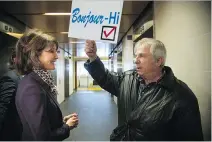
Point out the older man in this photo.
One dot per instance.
(152, 103)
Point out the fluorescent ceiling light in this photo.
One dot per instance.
(17, 35)
(64, 32)
(82, 42)
(76, 42)
(57, 14)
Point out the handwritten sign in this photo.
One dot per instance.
(95, 19)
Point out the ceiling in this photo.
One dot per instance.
(30, 13)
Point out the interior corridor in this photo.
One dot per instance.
(97, 114)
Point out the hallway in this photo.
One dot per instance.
(97, 112)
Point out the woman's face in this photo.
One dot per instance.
(48, 57)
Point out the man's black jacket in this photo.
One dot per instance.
(10, 125)
(166, 110)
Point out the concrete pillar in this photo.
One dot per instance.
(60, 75)
(127, 52)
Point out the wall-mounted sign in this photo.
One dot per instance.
(5, 27)
(143, 29)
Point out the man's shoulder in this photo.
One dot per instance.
(10, 76)
(184, 93)
(182, 87)
(8, 84)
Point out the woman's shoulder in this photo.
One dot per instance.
(29, 90)
(29, 79)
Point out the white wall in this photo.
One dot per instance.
(74, 73)
(71, 76)
(60, 76)
(127, 52)
(115, 70)
(185, 29)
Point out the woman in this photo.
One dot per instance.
(36, 101)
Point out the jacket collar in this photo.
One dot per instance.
(167, 80)
(40, 80)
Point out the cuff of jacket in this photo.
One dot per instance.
(89, 64)
(66, 127)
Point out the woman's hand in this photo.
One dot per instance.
(72, 120)
(69, 116)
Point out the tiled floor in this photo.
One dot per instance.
(97, 115)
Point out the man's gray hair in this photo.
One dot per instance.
(157, 48)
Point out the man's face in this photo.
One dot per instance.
(145, 62)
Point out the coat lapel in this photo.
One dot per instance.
(46, 88)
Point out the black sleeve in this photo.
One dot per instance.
(110, 81)
(60, 133)
(7, 92)
(187, 124)
(33, 108)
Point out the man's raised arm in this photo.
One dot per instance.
(107, 80)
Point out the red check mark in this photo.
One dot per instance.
(107, 34)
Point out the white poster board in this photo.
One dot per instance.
(95, 20)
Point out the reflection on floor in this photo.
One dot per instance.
(97, 114)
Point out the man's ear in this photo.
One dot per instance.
(159, 61)
(15, 60)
